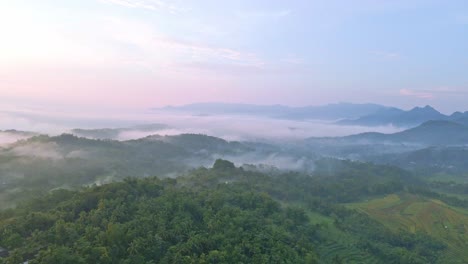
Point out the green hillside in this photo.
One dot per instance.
(419, 214)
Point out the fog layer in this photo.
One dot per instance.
(229, 127)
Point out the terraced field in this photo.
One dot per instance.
(419, 214)
(339, 246)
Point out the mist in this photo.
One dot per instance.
(7, 138)
(228, 127)
(255, 128)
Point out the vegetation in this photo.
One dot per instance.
(220, 215)
(72, 200)
(417, 214)
(33, 167)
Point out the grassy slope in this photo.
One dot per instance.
(418, 214)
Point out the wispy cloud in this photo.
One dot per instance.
(160, 49)
(147, 4)
(206, 52)
(417, 94)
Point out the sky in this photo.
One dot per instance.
(151, 53)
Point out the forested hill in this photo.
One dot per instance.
(219, 215)
(36, 165)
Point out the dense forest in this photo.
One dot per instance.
(226, 214)
(34, 166)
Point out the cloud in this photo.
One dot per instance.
(253, 128)
(250, 128)
(283, 161)
(38, 150)
(417, 94)
(204, 52)
(146, 4)
(434, 92)
(158, 51)
(7, 138)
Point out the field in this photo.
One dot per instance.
(418, 214)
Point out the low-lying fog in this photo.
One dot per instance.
(8, 137)
(240, 128)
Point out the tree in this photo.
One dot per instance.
(221, 164)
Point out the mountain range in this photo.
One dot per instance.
(401, 118)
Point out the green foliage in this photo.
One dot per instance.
(153, 221)
(220, 215)
(223, 165)
(30, 168)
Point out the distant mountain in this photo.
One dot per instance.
(325, 112)
(420, 115)
(381, 117)
(438, 132)
(333, 111)
(461, 118)
(457, 115)
(397, 117)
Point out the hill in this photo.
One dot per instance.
(418, 214)
(461, 118)
(431, 159)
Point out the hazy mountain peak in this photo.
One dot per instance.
(425, 109)
(456, 114)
